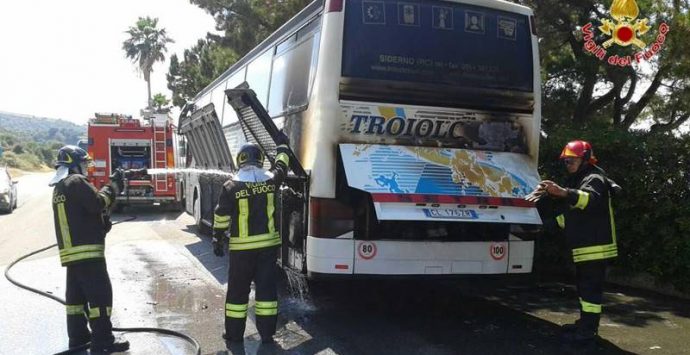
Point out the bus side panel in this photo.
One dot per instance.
(536, 126)
(318, 146)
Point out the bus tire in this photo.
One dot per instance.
(200, 225)
(182, 203)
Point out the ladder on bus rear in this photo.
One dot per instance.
(160, 160)
(258, 127)
(293, 201)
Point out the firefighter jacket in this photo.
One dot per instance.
(79, 226)
(586, 215)
(247, 205)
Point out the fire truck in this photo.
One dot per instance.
(147, 149)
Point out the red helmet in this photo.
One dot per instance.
(579, 149)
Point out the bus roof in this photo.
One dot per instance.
(499, 5)
(317, 6)
(306, 13)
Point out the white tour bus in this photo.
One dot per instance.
(417, 124)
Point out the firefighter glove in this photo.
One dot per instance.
(107, 224)
(116, 180)
(219, 243)
(117, 175)
(111, 191)
(282, 139)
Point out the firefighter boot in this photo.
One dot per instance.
(585, 333)
(116, 347)
(570, 328)
(79, 344)
(231, 342)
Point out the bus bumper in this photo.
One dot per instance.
(358, 257)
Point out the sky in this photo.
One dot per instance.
(64, 59)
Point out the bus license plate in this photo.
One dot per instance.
(450, 213)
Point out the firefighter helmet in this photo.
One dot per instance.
(579, 149)
(250, 155)
(72, 157)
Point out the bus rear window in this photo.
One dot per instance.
(436, 42)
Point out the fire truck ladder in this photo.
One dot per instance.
(160, 181)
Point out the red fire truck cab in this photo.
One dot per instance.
(118, 141)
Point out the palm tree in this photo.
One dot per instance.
(161, 102)
(146, 46)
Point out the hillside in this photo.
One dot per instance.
(42, 129)
(30, 142)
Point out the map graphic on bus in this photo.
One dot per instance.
(460, 172)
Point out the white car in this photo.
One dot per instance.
(8, 191)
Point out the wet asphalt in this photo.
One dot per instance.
(165, 275)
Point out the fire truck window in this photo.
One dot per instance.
(259, 75)
(130, 157)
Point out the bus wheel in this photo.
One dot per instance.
(200, 225)
(182, 204)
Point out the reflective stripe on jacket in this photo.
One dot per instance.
(247, 208)
(77, 215)
(587, 216)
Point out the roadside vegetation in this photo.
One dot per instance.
(31, 143)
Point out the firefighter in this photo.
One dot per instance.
(80, 228)
(246, 208)
(582, 207)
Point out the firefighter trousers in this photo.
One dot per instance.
(590, 288)
(260, 266)
(89, 298)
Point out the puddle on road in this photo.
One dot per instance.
(175, 346)
(168, 292)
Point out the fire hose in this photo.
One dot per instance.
(83, 347)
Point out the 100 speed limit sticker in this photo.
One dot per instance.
(498, 250)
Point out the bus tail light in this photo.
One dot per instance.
(334, 6)
(329, 218)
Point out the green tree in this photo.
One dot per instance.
(245, 23)
(146, 46)
(580, 89)
(48, 155)
(161, 103)
(199, 66)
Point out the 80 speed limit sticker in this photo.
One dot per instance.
(498, 250)
(366, 250)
